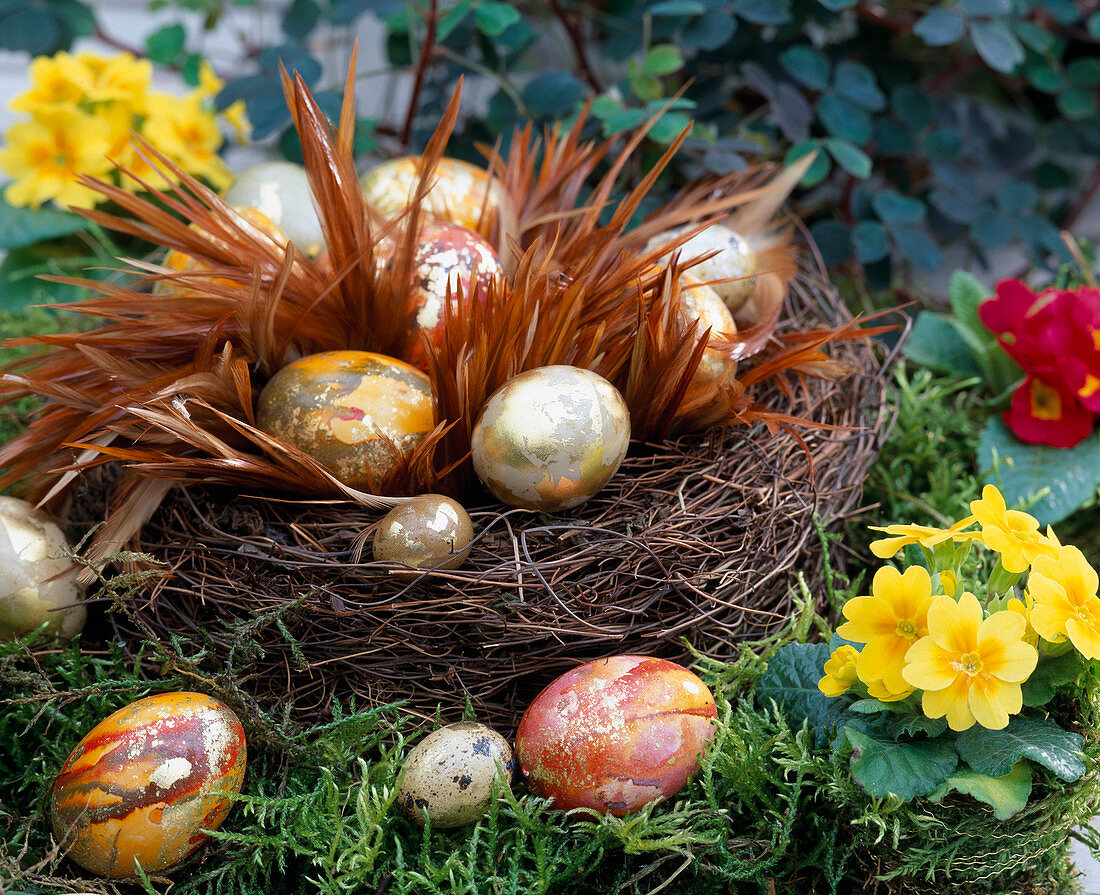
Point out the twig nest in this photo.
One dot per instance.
(431, 531)
(36, 584)
(354, 411)
(731, 272)
(281, 191)
(449, 258)
(461, 193)
(550, 438)
(450, 774)
(616, 734)
(145, 782)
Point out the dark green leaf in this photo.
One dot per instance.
(1078, 103)
(918, 247)
(663, 59)
(1043, 77)
(763, 12)
(910, 725)
(953, 206)
(1050, 674)
(806, 65)
(940, 27)
(556, 92)
(19, 284)
(849, 156)
(1085, 72)
(791, 681)
(868, 706)
(1068, 476)
(493, 19)
(624, 119)
(28, 30)
(883, 766)
(1006, 795)
(453, 18)
(857, 83)
(997, 45)
(983, 8)
(165, 44)
(77, 18)
(912, 106)
(792, 112)
(1094, 25)
(1017, 197)
(669, 126)
(24, 226)
(994, 752)
(819, 169)
(869, 241)
(301, 18)
(837, 5)
(710, 31)
(1035, 37)
(678, 8)
(894, 208)
(937, 343)
(990, 229)
(842, 118)
(833, 241)
(966, 295)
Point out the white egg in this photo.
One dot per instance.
(280, 190)
(734, 267)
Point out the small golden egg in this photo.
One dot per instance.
(699, 301)
(550, 438)
(36, 584)
(429, 532)
(282, 192)
(733, 269)
(459, 194)
(337, 405)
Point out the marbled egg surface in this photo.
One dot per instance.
(450, 774)
(461, 193)
(141, 784)
(430, 531)
(731, 272)
(333, 405)
(615, 734)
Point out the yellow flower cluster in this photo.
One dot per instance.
(84, 110)
(921, 630)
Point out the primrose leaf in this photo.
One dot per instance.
(884, 766)
(25, 226)
(791, 681)
(1007, 795)
(994, 752)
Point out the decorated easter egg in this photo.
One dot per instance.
(281, 191)
(144, 783)
(265, 228)
(448, 257)
(461, 193)
(550, 438)
(428, 532)
(337, 406)
(450, 774)
(698, 301)
(37, 584)
(730, 272)
(616, 734)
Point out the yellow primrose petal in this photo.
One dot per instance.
(882, 659)
(928, 666)
(990, 508)
(1084, 630)
(885, 548)
(840, 671)
(908, 594)
(878, 690)
(868, 617)
(992, 701)
(210, 84)
(1024, 610)
(950, 701)
(237, 116)
(948, 626)
(55, 81)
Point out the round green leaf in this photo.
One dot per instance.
(493, 19)
(997, 45)
(849, 156)
(819, 168)
(870, 241)
(940, 27)
(555, 93)
(894, 208)
(842, 118)
(808, 66)
(857, 83)
(663, 59)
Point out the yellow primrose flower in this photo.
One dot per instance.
(46, 155)
(1013, 534)
(925, 535)
(1062, 589)
(889, 621)
(949, 581)
(189, 135)
(237, 116)
(1021, 608)
(878, 690)
(120, 79)
(840, 671)
(210, 84)
(56, 80)
(971, 668)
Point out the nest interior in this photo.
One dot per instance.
(695, 543)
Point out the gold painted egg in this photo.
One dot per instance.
(734, 266)
(461, 193)
(550, 438)
(333, 405)
(429, 532)
(281, 191)
(33, 550)
(450, 773)
(141, 784)
(698, 301)
(447, 256)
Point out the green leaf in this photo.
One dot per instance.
(894, 208)
(301, 18)
(806, 65)
(791, 681)
(994, 752)
(24, 226)
(857, 83)
(1068, 476)
(556, 93)
(869, 241)
(668, 127)
(165, 44)
(918, 247)
(453, 18)
(940, 27)
(1007, 795)
(623, 120)
(493, 19)
(1051, 673)
(678, 8)
(763, 12)
(868, 707)
(966, 293)
(1078, 103)
(849, 156)
(19, 284)
(997, 45)
(911, 724)
(884, 767)
(842, 118)
(937, 343)
(819, 168)
(663, 59)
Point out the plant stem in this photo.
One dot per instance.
(572, 28)
(426, 53)
(1083, 200)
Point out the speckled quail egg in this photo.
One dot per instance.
(450, 773)
(733, 269)
(35, 579)
(430, 531)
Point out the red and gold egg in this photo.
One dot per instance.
(354, 411)
(461, 193)
(141, 785)
(616, 734)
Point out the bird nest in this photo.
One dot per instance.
(696, 543)
(149, 433)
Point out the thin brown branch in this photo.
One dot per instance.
(426, 52)
(572, 27)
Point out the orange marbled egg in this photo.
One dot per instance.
(145, 782)
(461, 193)
(340, 407)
